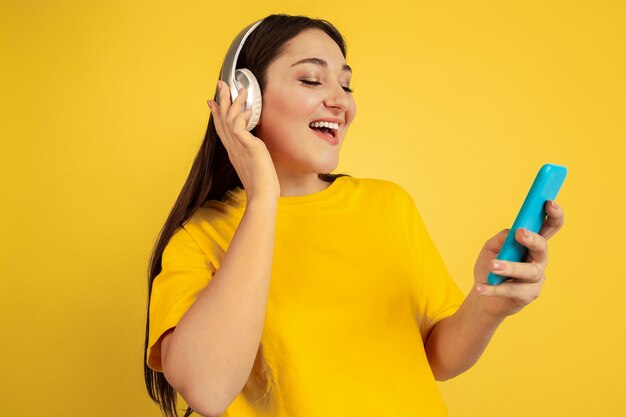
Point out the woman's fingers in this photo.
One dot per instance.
(224, 95)
(523, 293)
(527, 277)
(521, 271)
(241, 123)
(554, 221)
(494, 244)
(237, 106)
(248, 154)
(218, 122)
(230, 110)
(537, 245)
(528, 272)
(229, 119)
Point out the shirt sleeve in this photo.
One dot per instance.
(185, 271)
(434, 293)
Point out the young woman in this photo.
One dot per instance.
(279, 289)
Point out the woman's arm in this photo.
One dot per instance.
(456, 342)
(209, 355)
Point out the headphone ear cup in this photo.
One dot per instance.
(246, 79)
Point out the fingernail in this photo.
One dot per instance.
(553, 204)
(498, 266)
(480, 289)
(525, 233)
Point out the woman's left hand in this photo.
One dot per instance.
(527, 278)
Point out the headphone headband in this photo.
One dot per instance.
(230, 61)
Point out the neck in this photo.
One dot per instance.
(292, 185)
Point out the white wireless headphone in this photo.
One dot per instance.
(242, 77)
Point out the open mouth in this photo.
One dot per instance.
(329, 129)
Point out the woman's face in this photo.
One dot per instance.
(309, 82)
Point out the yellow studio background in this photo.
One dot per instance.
(104, 107)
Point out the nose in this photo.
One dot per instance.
(337, 98)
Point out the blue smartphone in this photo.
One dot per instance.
(532, 214)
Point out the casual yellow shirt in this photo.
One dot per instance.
(356, 286)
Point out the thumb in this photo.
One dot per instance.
(495, 243)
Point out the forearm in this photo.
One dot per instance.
(215, 343)
(456, 342)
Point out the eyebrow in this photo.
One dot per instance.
(320, 62)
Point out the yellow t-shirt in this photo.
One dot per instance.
(357, 284)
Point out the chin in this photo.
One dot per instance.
(327, 167)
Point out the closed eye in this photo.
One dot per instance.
(309, 82)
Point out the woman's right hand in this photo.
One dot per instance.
(246, 152)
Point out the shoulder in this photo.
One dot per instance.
(182, 251)
(216, 218)
(207, 232)
(378, 188)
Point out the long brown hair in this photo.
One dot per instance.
(212, 174)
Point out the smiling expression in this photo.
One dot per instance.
(307, 105)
